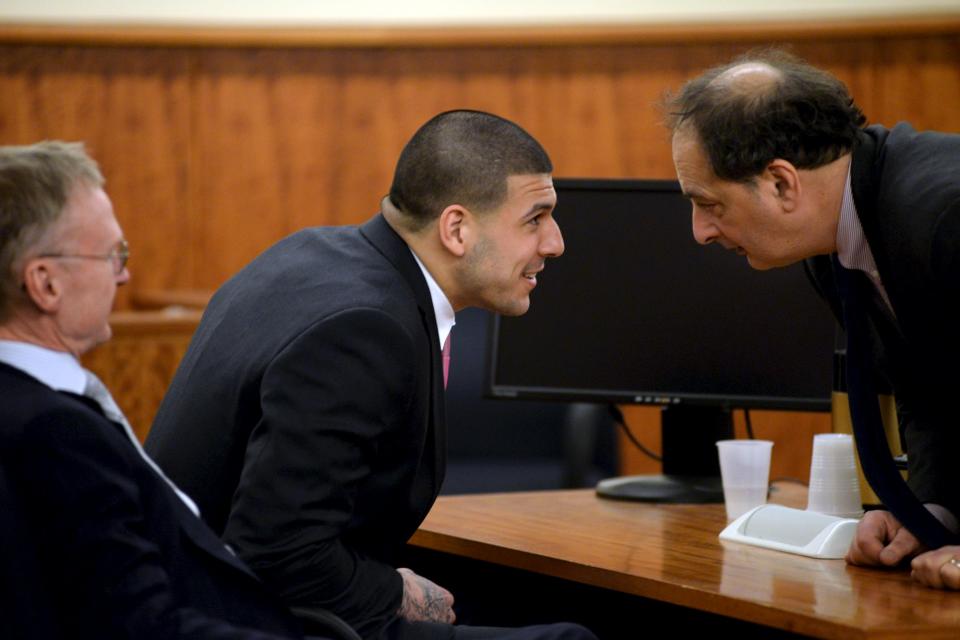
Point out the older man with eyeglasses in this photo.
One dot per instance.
(117, 550)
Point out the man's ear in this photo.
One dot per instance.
(786, 179)
(42, 285)
(455, 229)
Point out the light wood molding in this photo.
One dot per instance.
(374, 37)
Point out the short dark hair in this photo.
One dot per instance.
(803, 115)
(462, 157)
(35, 183)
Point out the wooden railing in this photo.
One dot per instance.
(138, 363)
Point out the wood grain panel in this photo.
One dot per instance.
(130, 106)
(919, 81)
(214, 154)
(791, 432)
(216, 148)
(243, 210)
(138, 364)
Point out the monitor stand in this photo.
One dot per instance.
(691, 467)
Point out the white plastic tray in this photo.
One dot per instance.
(806, 533)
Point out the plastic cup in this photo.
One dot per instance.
(834, 484)
(745, 473)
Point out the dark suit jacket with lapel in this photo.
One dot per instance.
(306, 418)
(111, 552)
(906, 187)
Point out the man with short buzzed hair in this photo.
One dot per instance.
(307, 417)
(775, 158)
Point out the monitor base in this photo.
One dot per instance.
(655, 488)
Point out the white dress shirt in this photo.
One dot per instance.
(442, 308)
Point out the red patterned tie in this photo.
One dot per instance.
(446, 360)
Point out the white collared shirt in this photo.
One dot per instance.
(853, 250)
(442, 309)
(58, 370)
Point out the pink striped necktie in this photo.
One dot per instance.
(446, 360)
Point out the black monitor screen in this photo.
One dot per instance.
(637, 312)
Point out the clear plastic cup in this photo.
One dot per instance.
(745, 472)
(834, 484)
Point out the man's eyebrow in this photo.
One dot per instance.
(539, 207)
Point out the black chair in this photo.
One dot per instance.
(325, 624)
(513, 445)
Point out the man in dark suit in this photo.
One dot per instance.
(774, 155)
(307, 417)
(106, 547)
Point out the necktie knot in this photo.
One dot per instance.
(98, 392)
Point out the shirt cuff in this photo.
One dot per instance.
(944, 515)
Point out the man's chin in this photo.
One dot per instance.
(103, 337)
(512, 308)
(765, 265)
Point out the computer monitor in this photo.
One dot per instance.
(637, 312)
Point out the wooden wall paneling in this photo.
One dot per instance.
(121, 364)
(309, 104)
(587, 136)
(145, 159)
(644, 424)
(19, 107)
(487, 80)
(138, 364)
(214, 152)
(639, 133)
(370, 136)
(130, 107)
(919, 81)
(421, 85)
(240, 190)
(854, 62)
(791, 431)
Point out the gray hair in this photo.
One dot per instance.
(35, 182)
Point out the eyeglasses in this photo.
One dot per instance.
(119, 256)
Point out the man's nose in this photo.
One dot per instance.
(704, 232)
(552, 244)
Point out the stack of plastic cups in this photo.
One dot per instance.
(834, 485)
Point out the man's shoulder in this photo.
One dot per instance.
(20, 392)
(906, 177)
(30, 407)
(321, 269)
(904, 151)
(309, 277)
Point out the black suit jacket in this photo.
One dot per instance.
(107, 549)
(306, 418)
(907, 192)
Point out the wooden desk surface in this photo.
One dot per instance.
(671, 553)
